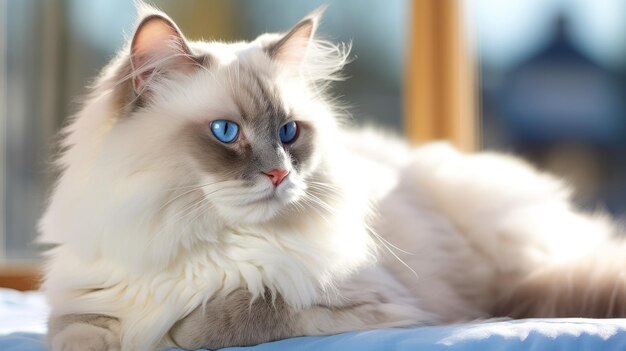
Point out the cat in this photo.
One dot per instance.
(211, 195)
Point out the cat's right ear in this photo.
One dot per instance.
(157, 46)
(290, 51)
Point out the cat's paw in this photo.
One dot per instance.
(85, 337)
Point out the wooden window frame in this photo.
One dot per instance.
(26, 275)
(439, 91)
(20, 277)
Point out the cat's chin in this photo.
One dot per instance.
(262, 208)
(257, 212)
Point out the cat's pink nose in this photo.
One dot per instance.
(277, 176)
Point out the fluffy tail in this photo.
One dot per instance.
(592, 287)
(507, 239)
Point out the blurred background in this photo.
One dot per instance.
(547, 80)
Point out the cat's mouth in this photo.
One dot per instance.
(269, 194)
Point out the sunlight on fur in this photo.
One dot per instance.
(211, 195)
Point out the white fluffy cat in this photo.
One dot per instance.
(210, 197)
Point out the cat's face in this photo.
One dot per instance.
(254, 149)
(241, 119)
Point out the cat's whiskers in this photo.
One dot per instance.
(180, 214)
(186, 209)
(314, 205)
(333, 194)
(236, 194)
(299, 206)
(184, 187)
(206, 188)
(192, 210)
(325, 190)
(324, 184)
(314, 200)
(387, 242)
(200, 209)
(320, 202)
(388, 246)
(193, 189)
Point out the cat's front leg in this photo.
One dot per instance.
(370, 299)
(234, 320)
(367, 301)
(80, 332)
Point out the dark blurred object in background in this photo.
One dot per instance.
(557, 105)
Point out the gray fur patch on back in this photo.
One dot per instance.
(234, 320)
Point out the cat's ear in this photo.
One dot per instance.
(158, 45)
(291, 49)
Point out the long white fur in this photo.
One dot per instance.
(475, 224)
(120, 253)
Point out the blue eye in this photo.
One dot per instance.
(288, 132)
(225, 131)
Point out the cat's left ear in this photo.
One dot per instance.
(158, 46)
(292, 48)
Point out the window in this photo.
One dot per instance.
(552, 88)
(51, 50)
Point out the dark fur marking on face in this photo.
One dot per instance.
(256, 97)
(271, 104)
(301, 151)
(214, 157)
(258, 148)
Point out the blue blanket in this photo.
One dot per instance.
(22, 324)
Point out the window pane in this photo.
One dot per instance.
(553, 86)
(25, 149)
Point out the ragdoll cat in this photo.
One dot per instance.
(210, 197)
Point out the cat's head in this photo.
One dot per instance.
(246, 123)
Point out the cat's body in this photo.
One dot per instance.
(169, 234)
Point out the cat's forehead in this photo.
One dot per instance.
(256, 96)
(243, 72)
(225, 54)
